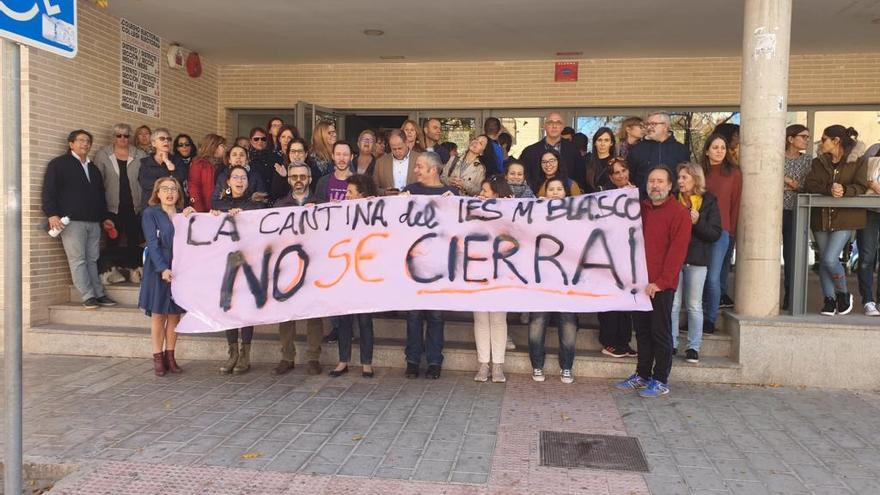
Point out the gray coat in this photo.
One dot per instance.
(106, 163)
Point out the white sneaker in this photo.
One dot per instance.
(510, 345)
(871, 309)
(566, 376)
(538, 375)
(482, 374)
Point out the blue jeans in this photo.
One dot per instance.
(712, 290)
(725, 266)
(82, 245)
(567, 331)
(868, 242)
(831, 272)
(431, 341)
(345, 329)
(690, 286)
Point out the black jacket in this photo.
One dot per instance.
(647, 154)
(67, 192)
(568, 158)
(705, 232)
(150, 172)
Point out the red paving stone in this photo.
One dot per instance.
(528, 407)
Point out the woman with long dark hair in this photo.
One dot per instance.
(549, 170)
(724, 181)
(237, 196)
(832, 174)
(597, 169)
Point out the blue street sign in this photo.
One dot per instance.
(45, 24)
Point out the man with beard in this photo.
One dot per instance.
(666, 226)
(299, 176)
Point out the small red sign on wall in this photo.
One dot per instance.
(566, 71)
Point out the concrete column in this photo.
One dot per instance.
(764, 102)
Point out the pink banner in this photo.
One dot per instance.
(580, 254)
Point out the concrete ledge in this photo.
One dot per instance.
(814, 351)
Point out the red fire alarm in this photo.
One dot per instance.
(193, 65)
(566, 71)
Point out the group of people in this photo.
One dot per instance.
(134, 186)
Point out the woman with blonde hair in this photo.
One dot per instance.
(321, 153)
(630, 132)
(415, 138)
(155, 298)
(705, 230)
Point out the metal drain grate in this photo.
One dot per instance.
(579, 450)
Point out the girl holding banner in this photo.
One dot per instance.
(155, 294)
(236, 197)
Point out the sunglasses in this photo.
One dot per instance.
(121, 136)
(163, 138)
(184, 145)
(258, 138)
(299, 176)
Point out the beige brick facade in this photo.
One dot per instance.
(61, 95)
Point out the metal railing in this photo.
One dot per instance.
(802, 210)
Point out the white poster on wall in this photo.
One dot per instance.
(139, 67)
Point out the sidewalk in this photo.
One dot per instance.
(201, 432)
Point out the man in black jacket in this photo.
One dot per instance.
(659, 147)
(73, 188)
(531, 156)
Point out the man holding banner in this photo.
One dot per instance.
(299, 176)
(430, 339)
(666, 225)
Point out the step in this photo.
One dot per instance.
(123, 341)
(456, 330)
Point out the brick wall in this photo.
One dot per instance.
(63, 95)
(814, 80)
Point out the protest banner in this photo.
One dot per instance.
(579, 254)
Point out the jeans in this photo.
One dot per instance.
(82, 245)
(490, 335)
(314, 336)
(615, 328)
(725, 266)
(566, 330)
(712, 290)
(654, 337)
(868, 241)
(690, 288)
(345, 329)
(831, 273)
(431, 341)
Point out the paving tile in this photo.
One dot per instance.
(244, 437)
(201, 445)
(475, 478)
(473, 462)
(433, 471)
(735, 469)
(358, 465)
(394, 473)
(411, 440)
(308, 442)
(288, 461)
(373, 446)
(666, 485)
(443, 451)
(402, 458)
(702, 478)
(325, 426)
(332, 454)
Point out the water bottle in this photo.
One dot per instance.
(56, 232)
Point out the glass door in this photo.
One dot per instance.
(309, 114)
(457, 126)
(245, 120)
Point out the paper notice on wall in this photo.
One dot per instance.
(139, 68)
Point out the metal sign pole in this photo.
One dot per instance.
(12, 264)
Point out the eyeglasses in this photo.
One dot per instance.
(803, 136)
(122, 136)
(549, 162)
(258, 138)
(167, 189)
(163, 138)
(652, 124)
(298, 176)
(238, 177)
(367, 141)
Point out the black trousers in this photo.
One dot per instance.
(654, 337)
(125, 250)
(615, 328)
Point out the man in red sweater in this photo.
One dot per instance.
(666, 225)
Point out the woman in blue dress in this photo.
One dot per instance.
(155, 299)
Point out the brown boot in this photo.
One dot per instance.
(244, 360)
(283, 367)
(170, 363)
(314, 368)
(231, 360)
(159, 363)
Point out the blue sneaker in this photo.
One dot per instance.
(654, 389)
(634, 382)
